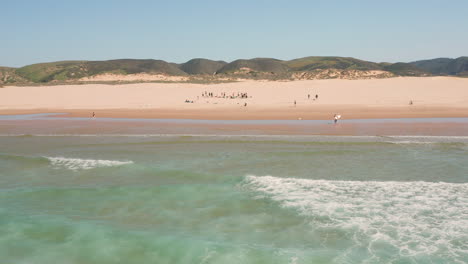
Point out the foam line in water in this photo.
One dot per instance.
(83, 164)
(318, 138)
(412, 142)
(426, 139)
(413, 218)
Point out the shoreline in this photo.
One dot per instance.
(228, 113)
(50, 124)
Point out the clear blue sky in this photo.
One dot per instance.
(176, 31)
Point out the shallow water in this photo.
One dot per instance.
(233, 199)
(60, 116)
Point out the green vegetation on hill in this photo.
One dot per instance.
(202, 66)
(405, 69)
(258, 68)
(45, 72)
(342, 63)
(130, 66)
(444, 66)
(66, 70)
(256, 65)
(458, 67)
(435, 66)
(8, 76)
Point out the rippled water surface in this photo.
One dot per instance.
(233, 199)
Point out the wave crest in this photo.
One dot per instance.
(83, 164)
(412, 217)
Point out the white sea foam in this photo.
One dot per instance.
(83, 164)
(414, 218)
(426, 139)
(412, 142)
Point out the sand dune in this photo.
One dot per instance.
(143, 77)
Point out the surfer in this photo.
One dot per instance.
(336, 117)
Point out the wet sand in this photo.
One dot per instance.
(253, 113)
(56, 125)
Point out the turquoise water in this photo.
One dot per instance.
(233, 199)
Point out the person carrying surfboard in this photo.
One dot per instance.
(336, 117)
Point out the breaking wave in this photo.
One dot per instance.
(412, 219)
(83, 164)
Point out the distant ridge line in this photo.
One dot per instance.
(256, 68)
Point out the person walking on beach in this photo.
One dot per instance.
(316, 96)
(308, 96)
(94, 115)
(336, 117)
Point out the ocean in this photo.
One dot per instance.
(233, 199)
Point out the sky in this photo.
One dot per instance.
(35, 31)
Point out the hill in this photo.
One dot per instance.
(444, 66)
(66, 70)
(131, 66)
(268, 65)
(45, 72)
(341, 63)
(458, 67)
(8, 75)
(434, 66)
(405, 69)
(202, 66)
(258, 68)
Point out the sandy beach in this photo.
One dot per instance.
(353, 99)
(374, 99)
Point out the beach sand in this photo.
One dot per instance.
(432, 97)
(373, 98)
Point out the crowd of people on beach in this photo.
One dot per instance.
(225, 95)
(238, 95)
